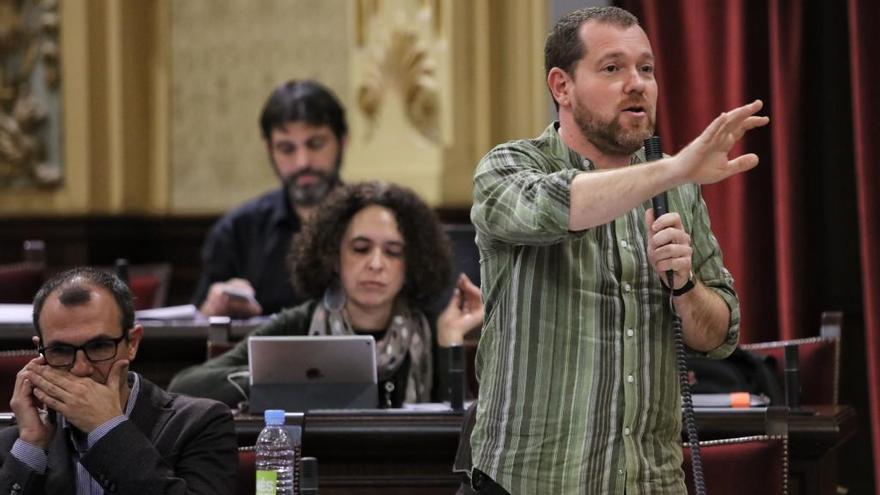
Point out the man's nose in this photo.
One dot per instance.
(635, 81)
(303, 159)
(81, 364)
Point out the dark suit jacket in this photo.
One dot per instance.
(171, 444)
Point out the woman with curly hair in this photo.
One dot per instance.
(371, 260)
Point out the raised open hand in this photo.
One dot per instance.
(705, 160)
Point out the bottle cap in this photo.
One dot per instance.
(274, 416)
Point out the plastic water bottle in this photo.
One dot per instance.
(275, 460)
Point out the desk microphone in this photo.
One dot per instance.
(792, 385)
(456, 377)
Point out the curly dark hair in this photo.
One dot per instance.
(314, 254)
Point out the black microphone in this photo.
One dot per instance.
(653, 152)
(792, 385)
(122, 270)
(456, 377)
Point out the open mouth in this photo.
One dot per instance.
(635, 110)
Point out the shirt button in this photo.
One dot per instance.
(626, 287)
(623, 244)
(630, 378)
(630, 332)
(620, 472)
(626, 431)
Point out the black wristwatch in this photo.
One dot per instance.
(684, 289)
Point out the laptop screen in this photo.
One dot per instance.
(311, 359)
(305, 373)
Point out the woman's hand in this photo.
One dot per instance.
(463, 313)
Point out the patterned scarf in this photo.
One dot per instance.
(408, 332)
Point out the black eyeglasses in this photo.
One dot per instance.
(63, 355)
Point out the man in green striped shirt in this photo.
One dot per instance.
(577, 369)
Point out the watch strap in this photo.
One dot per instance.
(684, 289)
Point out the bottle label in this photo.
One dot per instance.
(266, 482)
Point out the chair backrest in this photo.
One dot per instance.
(819, 361)
(19, 282)
(736, 466)
(465, 256)
(148, 282)
(11, 362)
(245, 483)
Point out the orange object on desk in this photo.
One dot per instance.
(740, 399)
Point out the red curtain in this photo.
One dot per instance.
(792, 232)
(864, 16)
(711, 57)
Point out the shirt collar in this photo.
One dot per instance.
(282, 211)
(559, 149)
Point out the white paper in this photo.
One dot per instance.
(16, 313)
(184, 312)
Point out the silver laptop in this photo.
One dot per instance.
(299, 373)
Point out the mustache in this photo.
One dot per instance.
(308, 172)
(635, 102)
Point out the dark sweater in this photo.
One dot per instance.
(209, 379)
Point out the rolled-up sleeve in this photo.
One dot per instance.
(709, 269)
(520, 199)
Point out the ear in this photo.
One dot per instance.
(268, 143)
(560, 85)
(134, 341)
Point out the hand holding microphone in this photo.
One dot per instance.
(669, 249)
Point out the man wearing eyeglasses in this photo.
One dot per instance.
(86, 425)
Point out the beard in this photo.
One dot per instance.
(609, 136)
(308, 195)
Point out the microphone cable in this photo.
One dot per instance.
(652, 153)
(687, 403)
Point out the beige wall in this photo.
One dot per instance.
(225, 59)
(161, 97)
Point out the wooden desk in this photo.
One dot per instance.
(395, 451)
(403, 452)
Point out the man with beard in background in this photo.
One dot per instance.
(244, 274)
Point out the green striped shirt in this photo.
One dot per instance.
(577, 369)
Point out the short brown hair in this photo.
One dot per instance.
(563, 47)
(314, 253)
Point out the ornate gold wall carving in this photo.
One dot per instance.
(161, 97)
(399, 59)
(30, 111)
(437, 84)
(226, 57)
